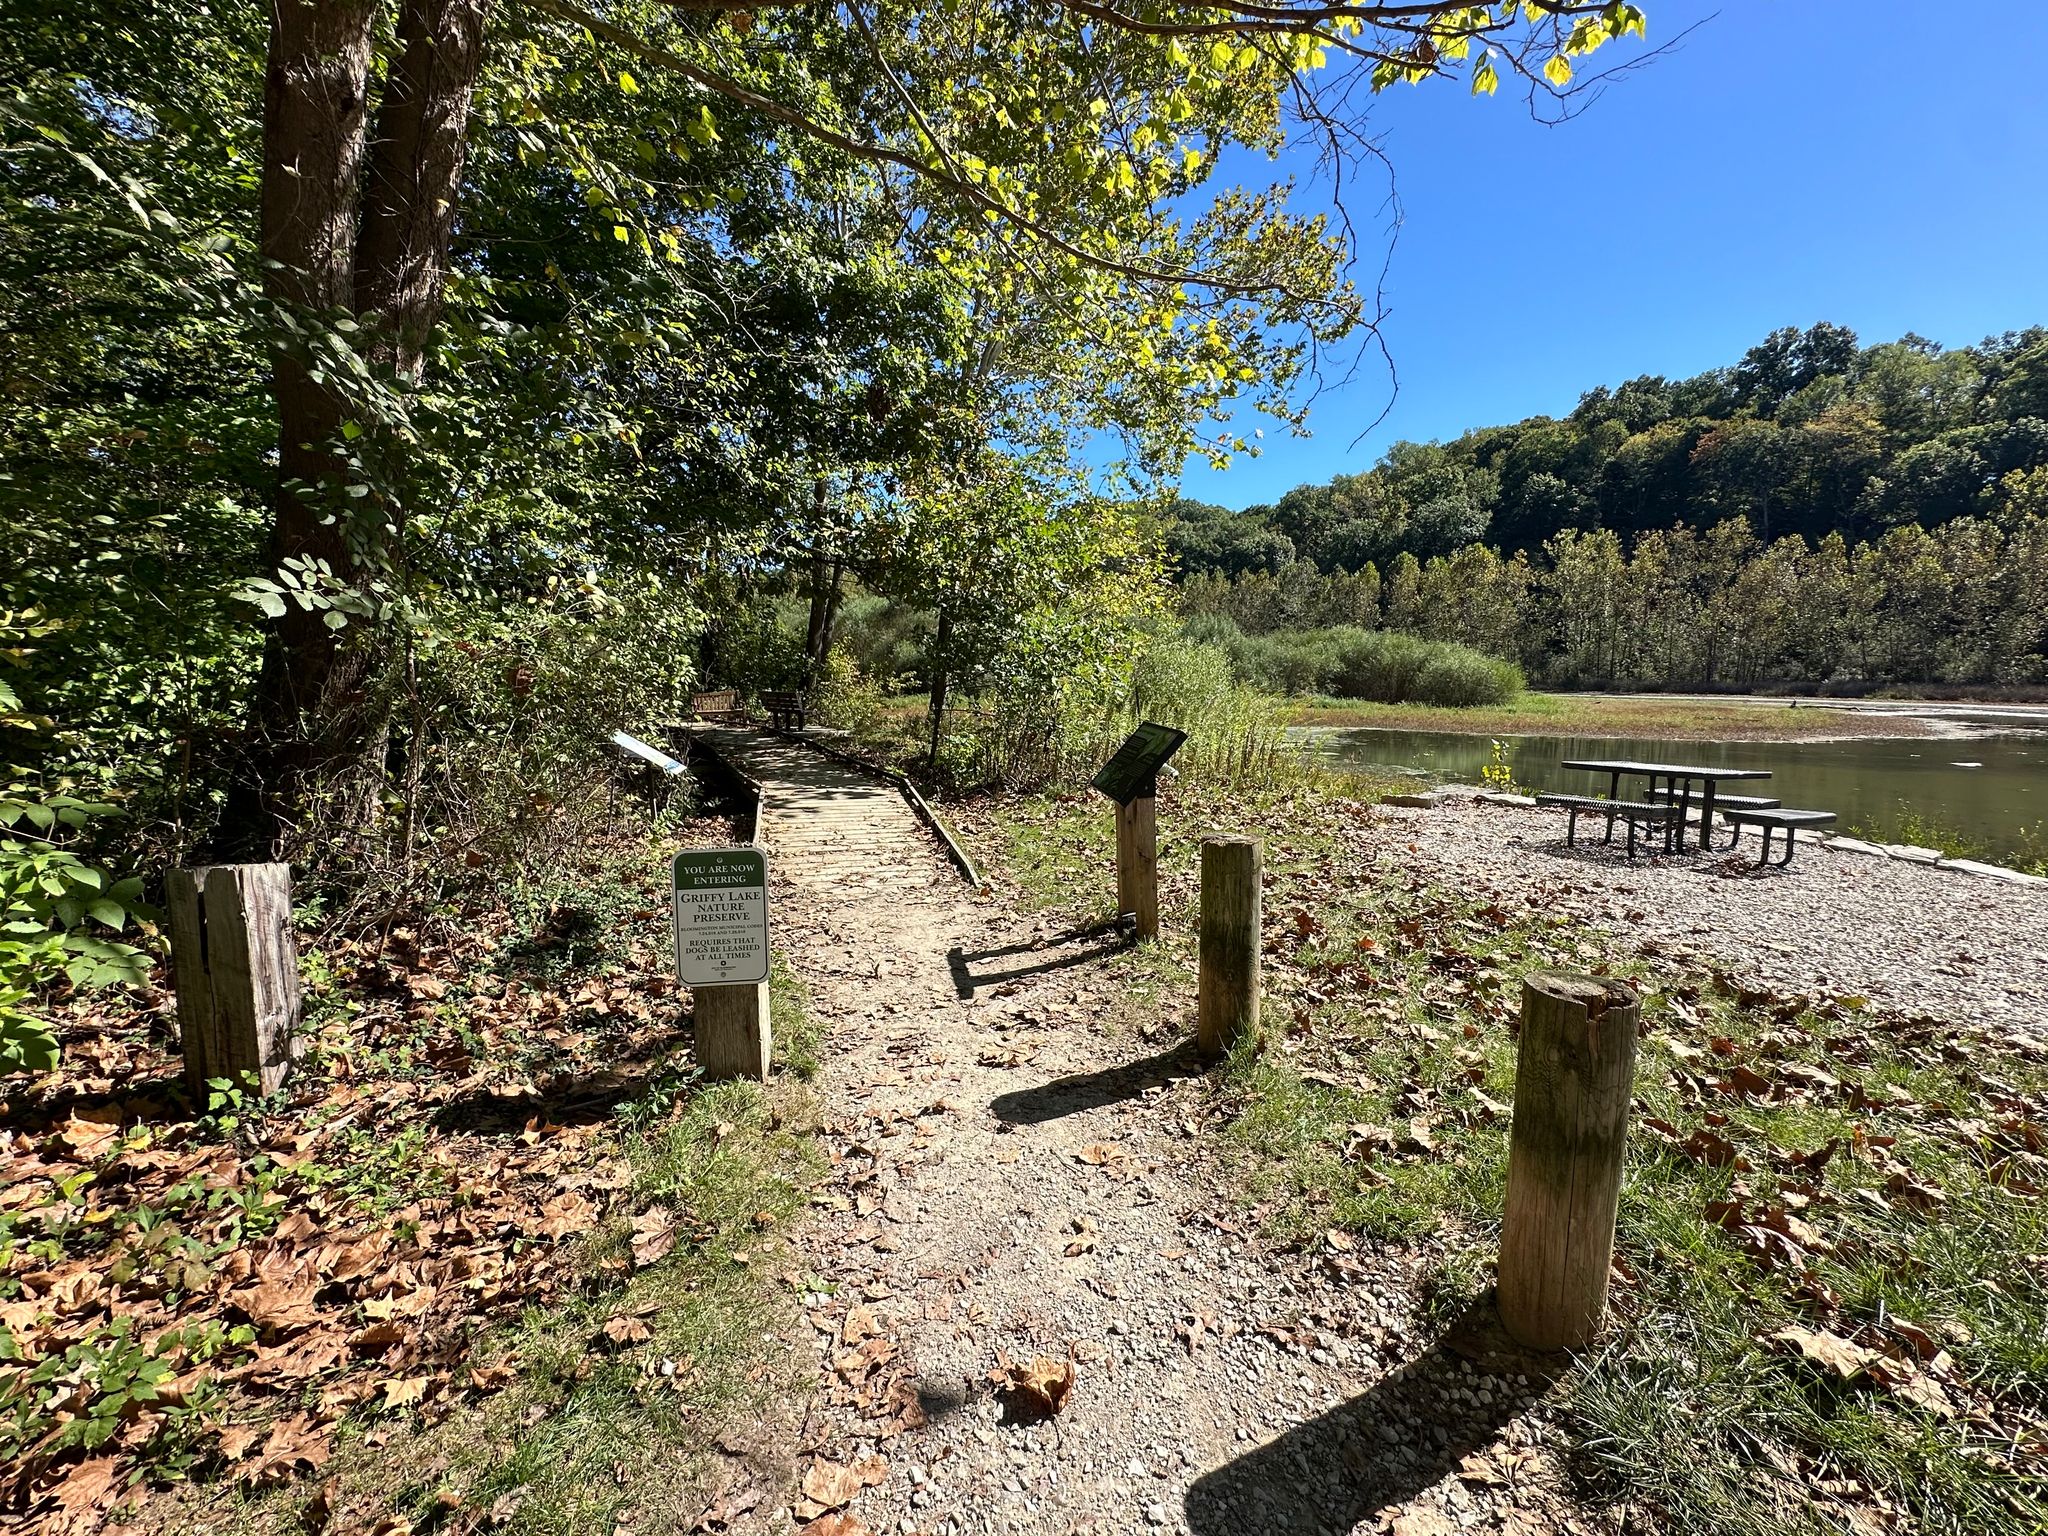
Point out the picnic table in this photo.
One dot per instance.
(1680, 778)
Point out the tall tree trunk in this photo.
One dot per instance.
(832, 594)
(815, 643)
(814, 630)
(942, 642)
(319, 721)
(401, 264)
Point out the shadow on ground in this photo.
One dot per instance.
(567, 1098)
(1056, 956)
(1376, 1452)
(1092, 1090)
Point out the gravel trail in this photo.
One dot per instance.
(1012, 1182)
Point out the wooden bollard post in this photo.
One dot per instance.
(733, 1038)
(235, 966)
(1227, 989)
(1574, 1076)
(1137, 863)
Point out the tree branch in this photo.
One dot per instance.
(958, 186)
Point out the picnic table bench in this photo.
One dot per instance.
(1634, 812)
(1776, 819)
(786, 711)
(1678, 780)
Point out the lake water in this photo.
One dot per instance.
(1871, 783)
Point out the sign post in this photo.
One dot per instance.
(721, 935)
(1130, 779)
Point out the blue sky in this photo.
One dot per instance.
(1793, 161)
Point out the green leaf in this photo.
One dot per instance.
(1558, 71)
(26, 1044)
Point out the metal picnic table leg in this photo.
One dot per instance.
(1613, 793)
(1707, 817)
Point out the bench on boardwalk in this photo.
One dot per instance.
(723, 705)
(1635, 812)
(1776, 820)
(786, 711)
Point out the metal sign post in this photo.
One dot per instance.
(1130, 779)
(721, 937)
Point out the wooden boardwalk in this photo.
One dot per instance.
(826, 823)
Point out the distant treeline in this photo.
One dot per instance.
(1964, 603)
(1820, 511)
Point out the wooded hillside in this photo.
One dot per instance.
(1819, 512)
(1809, 434)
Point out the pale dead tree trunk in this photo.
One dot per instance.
(353, 224)
(942, 644)
(824, 587)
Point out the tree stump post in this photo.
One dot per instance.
(235, 967)
(1227, 990)
(1137, 863)
(733, 1037)
(1574, 1074)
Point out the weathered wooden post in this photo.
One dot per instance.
(1130, 780)
(1574, 1076)
(1137, 862)
(235, 967)
(733, 1036)
(721, 933)
(1227, 989)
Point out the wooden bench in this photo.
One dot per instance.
(721, 705)
(786, 711)
(1777, 820)
(1634, 812)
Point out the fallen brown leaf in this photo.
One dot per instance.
(1828, 1350)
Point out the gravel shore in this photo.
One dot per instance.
(1914, 939)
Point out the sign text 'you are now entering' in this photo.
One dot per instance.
(721, 916)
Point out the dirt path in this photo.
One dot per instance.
(1011, 1180)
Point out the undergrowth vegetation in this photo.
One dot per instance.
(1377, 665)
(1824, 1316)
(494, 1241)
(2026, 848)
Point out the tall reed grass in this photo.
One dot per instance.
(1383, 666)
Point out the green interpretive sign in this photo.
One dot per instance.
(1132, 768)
(721, 916)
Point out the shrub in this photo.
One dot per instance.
(885, 638)
(1463, 678)
(1383, 666)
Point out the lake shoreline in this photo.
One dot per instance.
(1979, 794)
(1676, 718)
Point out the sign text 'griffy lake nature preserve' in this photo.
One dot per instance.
(721, 916)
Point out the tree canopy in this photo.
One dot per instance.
(1810, 433)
